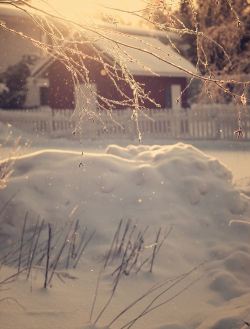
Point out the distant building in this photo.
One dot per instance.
(51, 83)
(162, 80)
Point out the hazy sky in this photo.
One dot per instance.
(85, 9)
(76, 7)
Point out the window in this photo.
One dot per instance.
(44, 95)
(168, 97)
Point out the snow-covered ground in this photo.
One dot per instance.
(176, 187)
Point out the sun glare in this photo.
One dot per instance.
(94, 9)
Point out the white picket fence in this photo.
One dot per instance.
(199, 122)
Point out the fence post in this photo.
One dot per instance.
(217, 125)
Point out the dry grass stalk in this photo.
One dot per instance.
(21, 243)
(34, 249)
(47, 257)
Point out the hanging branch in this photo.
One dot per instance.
(100, 32)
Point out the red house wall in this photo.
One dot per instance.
(61, 91)
(61, 87)
(157, 87)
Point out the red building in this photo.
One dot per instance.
(146, 57)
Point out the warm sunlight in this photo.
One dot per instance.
(79, 9)
(87, 10)
(124, 164)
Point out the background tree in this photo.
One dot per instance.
(15, 81)
(215, 36)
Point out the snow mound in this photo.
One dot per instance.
(226, 285)
(174, 186)
(244, 185)
(238, 262)
(228, 323)
(169, 182)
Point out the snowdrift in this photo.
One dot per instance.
(150, 184)
(169, 186)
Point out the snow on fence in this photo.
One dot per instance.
(199, 122)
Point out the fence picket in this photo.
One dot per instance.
(199, 122)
